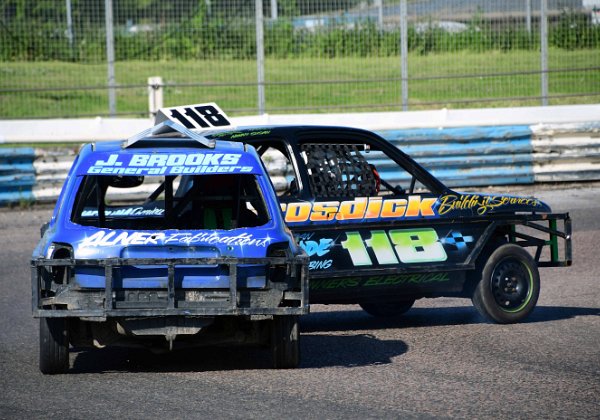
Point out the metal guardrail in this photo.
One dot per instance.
(460, 157)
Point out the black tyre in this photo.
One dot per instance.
(285, 342)
(54, 346)
(509, 286)
(387, 309)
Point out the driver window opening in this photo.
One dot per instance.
(280, 169)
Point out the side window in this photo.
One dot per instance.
(280, 169)
(355, 170)
(393, 178)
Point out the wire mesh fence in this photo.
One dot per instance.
(76, 58)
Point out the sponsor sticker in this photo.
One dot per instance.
(361, 208)
(142, 164)
(115, 238)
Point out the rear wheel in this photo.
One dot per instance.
(387, 309)
(54, 346)
(285, 342)
(509, 286)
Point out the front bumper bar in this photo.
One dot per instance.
(288, 297)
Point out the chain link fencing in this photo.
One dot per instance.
(78, 58)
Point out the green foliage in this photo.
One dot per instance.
(35, 31)
(575, 31)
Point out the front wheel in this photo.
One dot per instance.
(54, 346)
(509, 286)
(387, 309)
(285, 341)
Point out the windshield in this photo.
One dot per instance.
(160, 203)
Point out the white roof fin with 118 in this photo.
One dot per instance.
(199, 117)
(189, 120)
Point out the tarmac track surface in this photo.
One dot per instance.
(439, 360)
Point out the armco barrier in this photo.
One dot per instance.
(460, 157)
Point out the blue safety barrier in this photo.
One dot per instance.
(473, 156)
(17, 175)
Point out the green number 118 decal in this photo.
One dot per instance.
(410, 245)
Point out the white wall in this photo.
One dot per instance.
(97, 129)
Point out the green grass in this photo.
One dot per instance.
(369, 83)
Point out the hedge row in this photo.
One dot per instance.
(236, 40)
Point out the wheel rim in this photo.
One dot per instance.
(512, 285)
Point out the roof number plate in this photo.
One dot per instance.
(197, 117)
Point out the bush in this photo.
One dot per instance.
(198, 37)
(574, 31)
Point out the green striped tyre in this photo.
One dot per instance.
(509, 286)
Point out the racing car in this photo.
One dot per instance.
(379, 229)
(382, 232)
(165, 240)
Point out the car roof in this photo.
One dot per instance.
(245, 133)
(224, 140)
(167, 149)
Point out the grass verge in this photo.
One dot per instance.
(453, 80)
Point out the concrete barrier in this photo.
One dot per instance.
(566, 152)
(99, 129)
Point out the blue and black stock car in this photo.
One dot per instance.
(119, 262)
(381, 231)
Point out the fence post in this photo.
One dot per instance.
(70, 28)
(404, 54)
(379, 6)
(155, 95)
(528, 16)
(274, 14)
(544, 50)
(260, 57)
(110, 57)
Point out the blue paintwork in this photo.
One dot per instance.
(88, 242)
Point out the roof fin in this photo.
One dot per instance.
(197, 117)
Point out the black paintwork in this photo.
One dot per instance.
(469, 228)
